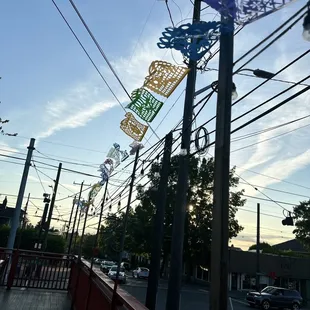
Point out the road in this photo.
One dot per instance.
(192, 296)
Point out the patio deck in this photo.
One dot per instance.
(31, 299)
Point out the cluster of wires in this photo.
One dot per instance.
(148, 157)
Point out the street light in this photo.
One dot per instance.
(257, 72)
(306, 25)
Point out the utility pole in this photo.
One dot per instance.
(43, 220)
(95, 244)
(122, 242)
(50, 212)
(258, 249)
(176, 266)
(220, 236)
(158, 233)
(16, 219)
(76, 215)
(83, 230)
(24, 222)
(68, 228)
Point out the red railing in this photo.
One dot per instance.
(89, 289)
(34, 269)
(93, 290)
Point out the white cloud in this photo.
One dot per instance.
(6, 149)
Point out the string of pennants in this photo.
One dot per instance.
(163, 79)
(114, 157)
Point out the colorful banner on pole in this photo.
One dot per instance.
(246, 11)
(163, 79)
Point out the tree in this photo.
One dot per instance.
(55, 243)
(264, 246)
(198, 230)
(2, 121)
(302, 223)
(88, 245)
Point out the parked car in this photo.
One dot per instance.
(121, 277)
(275, 297)
(141, 273)
(97, 261)
(126, 266)
(106, 266)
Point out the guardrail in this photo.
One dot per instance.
(92, 290)
(32, 269)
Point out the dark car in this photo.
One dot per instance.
(275, 297)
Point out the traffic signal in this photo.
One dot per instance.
(288, 221)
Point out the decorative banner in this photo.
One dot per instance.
(110, 163)
(164, 77)
(104, 173)
(83, 205)
(144, 104)
(94, 192)
(247, 11)
(124, 155)
(132, 127)
(192, 40)
(135, 146)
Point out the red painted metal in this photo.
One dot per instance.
(101, 292)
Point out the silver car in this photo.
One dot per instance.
(122, 275)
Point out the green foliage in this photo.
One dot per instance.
(262, 246)
(302, 223)
(88, 245)
(198, 231)
(55, 243)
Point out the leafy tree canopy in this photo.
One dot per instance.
(198, 218)
(302, 223)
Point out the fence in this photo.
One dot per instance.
(89, 289)
(35, 270)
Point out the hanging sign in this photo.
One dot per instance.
(246, 12)
(132, 127)
(94, 192)
(135, 146)
(164, 77)
(144, 104)
(192, 40)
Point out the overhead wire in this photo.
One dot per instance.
(274, 178)
(105, 58)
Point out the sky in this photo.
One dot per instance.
(50, 91)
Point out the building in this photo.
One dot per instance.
(278, 270)
(291, 245)
(7, 214)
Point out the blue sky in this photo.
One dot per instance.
(50, 91)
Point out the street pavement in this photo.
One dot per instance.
(192, 296)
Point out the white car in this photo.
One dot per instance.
(121, 277)
(141, 272)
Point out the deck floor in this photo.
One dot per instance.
(30, 299)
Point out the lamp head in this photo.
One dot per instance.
(306, 26)
(234, 94)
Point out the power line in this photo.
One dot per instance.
(271, 177)
(257, 77)
(271, 138)
(169, 12)
(276, 201)
(87, 54)
(276, 190)
(103, 55)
